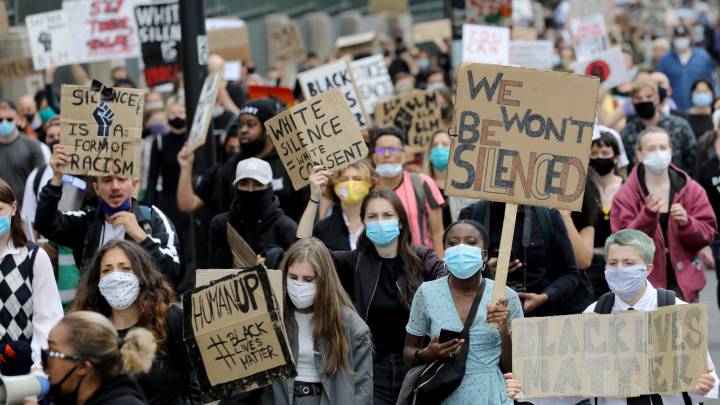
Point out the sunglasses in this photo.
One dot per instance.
(380, 150)
(6, 119)
(46, 354)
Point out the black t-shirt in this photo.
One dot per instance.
(700, 123)
(163, 161)
(709, 178)
(388, 316)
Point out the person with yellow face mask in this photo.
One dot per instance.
(342, 227)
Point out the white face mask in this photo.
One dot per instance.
(681, 44)
(389, 170)
(657, 161)
(301, 294)
(626, 282)
(120, 289)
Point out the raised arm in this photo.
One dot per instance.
(319, 178)
(188, 201)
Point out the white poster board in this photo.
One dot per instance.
(609, 66)
(372, 79)
(50, 39)
(486, 44)
(532, 54)
(589, 36)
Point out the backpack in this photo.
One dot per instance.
(38, 178)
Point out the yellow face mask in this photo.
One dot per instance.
(352, 192)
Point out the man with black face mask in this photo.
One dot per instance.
(254, 214)
(646, 100)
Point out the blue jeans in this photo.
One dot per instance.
(388, 374)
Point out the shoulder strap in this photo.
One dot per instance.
(38, 178)
(420, 199)
(473, 309)
(605, 303)
(146, 212)
(665, 297)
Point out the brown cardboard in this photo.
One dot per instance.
(16, 67)
(242, 253)
(203, 111)
(4, 21)
(518, 33)
(486, 129)
(111, 147)
(356, 44)
(285, 42)
(428, 31)
(390, 6)
(584, 8)
(234, 334)
(321, 130)
(230, 43)
(417, 113)
(626, 354)
(206, 276)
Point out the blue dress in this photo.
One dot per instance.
(433, 309)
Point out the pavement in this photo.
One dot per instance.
(708, 297)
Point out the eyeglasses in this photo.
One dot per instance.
(46, 354)
(380, 150)
(8, 119)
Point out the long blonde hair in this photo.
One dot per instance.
(329, 301)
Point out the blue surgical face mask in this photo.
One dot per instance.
(4, 224)
(626, 282)
(109, 211)
(389, 170)
(702, 99)
(439, 157)
(463, 261)
(382, 233)
(7, 128)
(423, 63)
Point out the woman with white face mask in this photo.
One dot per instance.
(330, 343)
(662, 201)
(123, 283)
(700, 114)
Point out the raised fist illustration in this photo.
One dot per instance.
(45, 40)
(103, 116)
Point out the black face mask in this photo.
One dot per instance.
(177, 123)
(662, 93)
(602, 165)
(52, 144)
(645, 110)
(58, 397)
(445, 112)
(253, 148)
(250, 204)
(29, 118)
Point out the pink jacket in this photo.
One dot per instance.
(629, 211)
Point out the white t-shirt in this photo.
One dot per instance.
(111, 232)
(305, 366)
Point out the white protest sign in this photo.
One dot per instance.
(203, 111)
(486, 44)
(532, 54)
(589, 35)
(609, 66)
(103, 30)
(50, 39)
(329, 76)
(372, 79)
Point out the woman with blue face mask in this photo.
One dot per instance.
(381, 275)
(441, 307)
(700, 114)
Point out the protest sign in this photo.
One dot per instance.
(626, 354)
(159, 35)
(318, 131)
(486, 44)
(4, 21)
(285, 42)
(428, 31)
(335, 75)
(243, 255)
(608, 66)
(234, 334)
(584, 8)
(203, 111)
(50, 39)
(278, 93)
(206, 276)
(390, 6)
(489, 12)
(520, 136)
(104, 30)
(230, 43)
(15, 68)
(519, 33)
(589, 35)
(416, 113)
(372, 79)
(356, 44)
(532, 54)
(101, 129)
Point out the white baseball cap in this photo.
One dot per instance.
(253, 168)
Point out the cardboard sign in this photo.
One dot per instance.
(234, 334)
(590, 36)
(626, 354)
(519, 33)
(278, 93)
(489, 12)
(206, 276)
(15, 68)
(318, 131)
(532, 54)
(286, 42)
(230, 43)
(608, 66)
(390, 6)
(103, 30)
(203, 111)
(428, 31)
(584, 8)
(335, 75)
(243, 255)
(159, 36)
(50, 39)
(482, 43)
(521, 135)
(4, 21)
(101, 130)
(356, 44)
(372, 79)
(416, 113)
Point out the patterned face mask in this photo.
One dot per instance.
(119, 289)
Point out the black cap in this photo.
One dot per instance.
(681, 31)
(263, 108)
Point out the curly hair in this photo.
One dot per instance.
(152, 303)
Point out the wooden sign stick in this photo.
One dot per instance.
(503, 263)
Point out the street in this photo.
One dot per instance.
(708, 297)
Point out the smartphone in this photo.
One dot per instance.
(448, 335)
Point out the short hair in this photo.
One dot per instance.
(651, 130)
(643, 84)
(637, 239)
(376, 133)
(607, 139)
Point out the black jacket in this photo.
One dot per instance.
(333, 231)
(274, 229)
(359, 272)
(121, 390)
(551, 270)
(81, 231)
